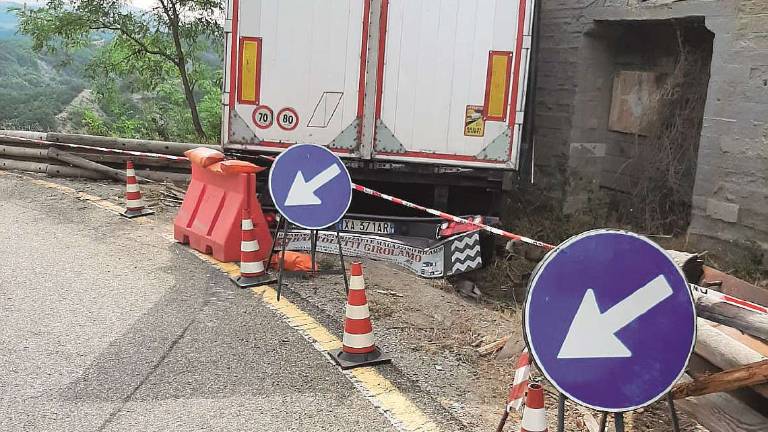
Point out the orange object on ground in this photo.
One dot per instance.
(359, 346)
(294, 261)
(210, 218)
(204, 156)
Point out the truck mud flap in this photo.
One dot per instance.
(459, 254)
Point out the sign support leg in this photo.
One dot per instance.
(503, 421)
(282, 260)
(280, 220)
(561, 413)
(313, 250)
(619, 420)
(603, 422)
(341, 258)
(673, 413)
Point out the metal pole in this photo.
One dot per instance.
(280, 220)
(341, 258)
(603, 422)
(503, 421)
(282, 260)
(619, 419)
(313, 250)
(673, 413)
(561, 413)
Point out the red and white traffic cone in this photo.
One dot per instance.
(134, 204)
(534, 414)
(359, 345)
(253, 269)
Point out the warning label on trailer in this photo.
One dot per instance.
(474, 123)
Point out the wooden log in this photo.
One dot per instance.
(724, 352)
(734, 379)
(722, 413)
(147, 146)
(9, 164)
(83, 163)
(22, 134)
(74, 172)
(23, 152)
(121, 159)
(164, 176)
(492, 347)
(752, 323)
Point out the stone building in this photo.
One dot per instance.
(631, 93)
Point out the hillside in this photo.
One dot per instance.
(34, 88)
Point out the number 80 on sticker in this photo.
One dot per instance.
(288, 119)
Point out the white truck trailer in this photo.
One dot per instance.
(416, 91)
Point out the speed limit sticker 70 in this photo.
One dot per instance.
(263, 117)
(288, 119)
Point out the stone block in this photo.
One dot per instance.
(723, 211)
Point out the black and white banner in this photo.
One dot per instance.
(456, 255)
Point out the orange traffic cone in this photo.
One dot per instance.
(134, 204)
(534, 414)
(359, 346)
(253, 268)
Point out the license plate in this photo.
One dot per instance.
(370, 227)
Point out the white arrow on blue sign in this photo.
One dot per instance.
(610, 320)
(310, 186)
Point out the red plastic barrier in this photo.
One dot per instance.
(209, 219)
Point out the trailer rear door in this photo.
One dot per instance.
(454, 81)
(428, 81)
(295, 70)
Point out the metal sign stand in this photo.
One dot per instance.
(313, 239)
(618, 417)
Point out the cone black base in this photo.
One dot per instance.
(351, 361)
(130, 214)
(250, 282)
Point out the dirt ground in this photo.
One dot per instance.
(432, 331)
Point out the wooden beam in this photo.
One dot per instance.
(724, 352)
(493, 347)
(147, 146)
(755, 324)
(83, 163)
(722, 413)
(755, 373)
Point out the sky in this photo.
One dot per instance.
(142, 4)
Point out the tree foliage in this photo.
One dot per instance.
(151, 51)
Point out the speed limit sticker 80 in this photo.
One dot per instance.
(288, 119)
(263, 117)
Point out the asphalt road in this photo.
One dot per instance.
(104, 325)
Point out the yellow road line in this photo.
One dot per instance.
(384, 395)
(396, 406)
(82, 196)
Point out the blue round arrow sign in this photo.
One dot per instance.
(310, 186)
(610, 320)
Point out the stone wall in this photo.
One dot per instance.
(730, 203)
(730, 198)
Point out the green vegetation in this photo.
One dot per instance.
(150, 74)
(32, 89)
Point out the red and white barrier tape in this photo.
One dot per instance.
(452, 218)
(753, 307)
(520, 384)
(107, 150)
